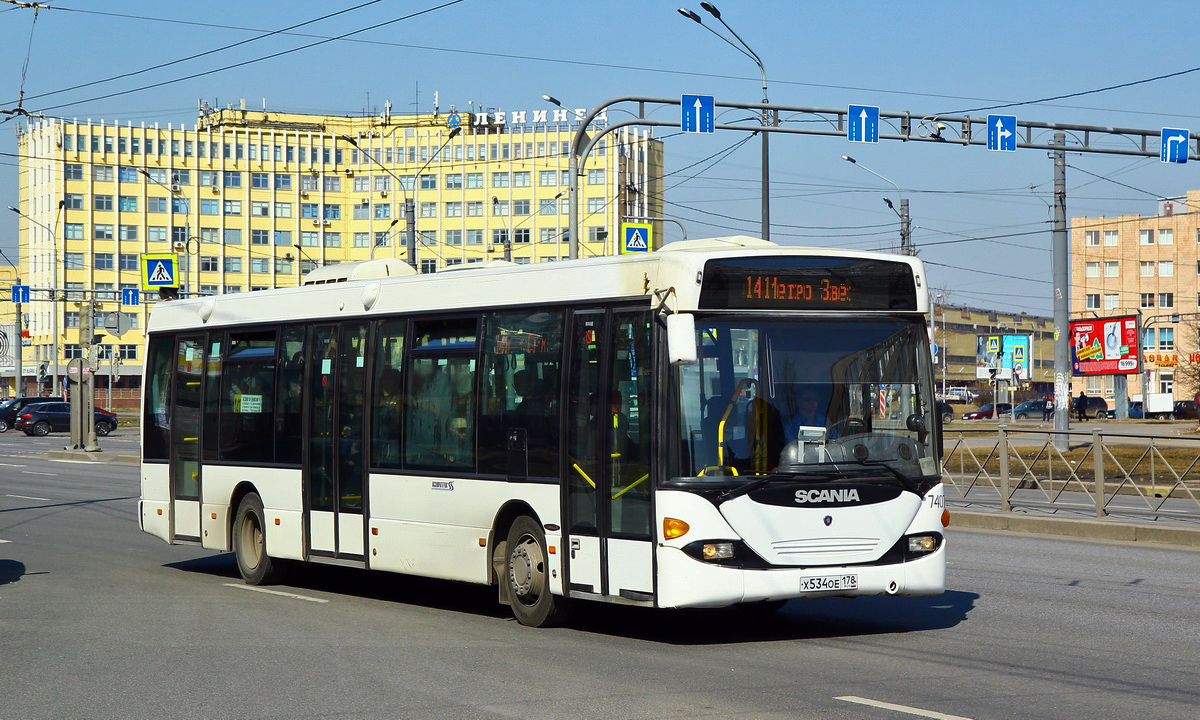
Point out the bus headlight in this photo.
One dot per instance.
(717, 550)
(922, 543)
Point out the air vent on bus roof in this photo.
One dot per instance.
(362, 270)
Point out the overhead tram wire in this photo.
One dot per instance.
(252, 61)
(195, 56)
(614, 66)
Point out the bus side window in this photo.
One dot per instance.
(389, 394)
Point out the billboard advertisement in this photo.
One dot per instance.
(1105, 346)
(1008, 355)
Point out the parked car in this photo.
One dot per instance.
(958, 395)
(1186, 410)
(1096, 407)
(44, 418)
(12, 406)
(1030, 408)
(945, 411)
(1135, 411)
(988, 411)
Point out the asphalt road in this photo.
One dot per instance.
(98, 620)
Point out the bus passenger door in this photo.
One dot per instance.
(186, 415)
(333, 460)
(608, 508)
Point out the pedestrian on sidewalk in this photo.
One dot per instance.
(1048, 409)
(1081, 404)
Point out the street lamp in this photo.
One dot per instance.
(53, 290)
(906, 247)
(765, 118)
(409, 210)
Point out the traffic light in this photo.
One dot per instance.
(42, 376)
(168, 293)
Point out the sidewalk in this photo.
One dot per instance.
(1066, 523)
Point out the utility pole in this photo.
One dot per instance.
(1061, 276)
(18, 362)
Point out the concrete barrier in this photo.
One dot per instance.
(1069, 527)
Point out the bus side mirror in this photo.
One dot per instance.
(681, 339)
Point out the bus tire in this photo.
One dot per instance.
(250, 546)
(526, 572)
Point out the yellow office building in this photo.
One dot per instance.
(251, 199)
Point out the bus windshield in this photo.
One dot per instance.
(821, 398)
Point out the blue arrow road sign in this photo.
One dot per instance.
(1002, 132)
(131, 296)
(20, 293)
(1174, 146)
(699, 114)
(863, 124)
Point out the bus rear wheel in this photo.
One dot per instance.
(250, 546)
(525, 571)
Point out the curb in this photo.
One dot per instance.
(93, 456)
(1068, 527)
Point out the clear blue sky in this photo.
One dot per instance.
(931, 58)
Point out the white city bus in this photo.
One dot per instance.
(723, 421)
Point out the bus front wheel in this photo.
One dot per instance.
(526, 572)
(250, 546)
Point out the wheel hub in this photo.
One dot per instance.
(521, 571)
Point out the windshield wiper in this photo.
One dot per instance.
(758, 482)
(906, 481)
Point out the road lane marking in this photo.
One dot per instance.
(10, 465)
(35, 472)
(27, 497)
(900, 708)
(4, 541)
(294, 596)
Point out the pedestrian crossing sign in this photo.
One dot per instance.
(160, 271)
(638, 237)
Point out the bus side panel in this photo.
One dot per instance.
(280, 493)
(154, 508)
(432, 526)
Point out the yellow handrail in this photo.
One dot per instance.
(585, 476)
(631, 486)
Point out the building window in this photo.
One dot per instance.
(475, 208)
(1166, 338)
(1166, 300)
(210, 207)
(104, 261)
(521, 179)
(427, 237)
(454, 181)
(73, 172)
(499, 207)
(333, 212)
(73, 231)
(501, 179)
(1146, 300)
(383, 211)
(104, 232)
(210, 289)
(1091, 269)
(595, 177)
(233, 207)
(1112, 268)
(429, 182)
(283, 209)
(233, 178)
(362, 239)
(260, 181)
(474, 237)
(104, 202)
(258, 208)
(547, 235)
(260, 237)
(127, 232)
(1166, 237)
(474, 180)
(156, 204)
(102, 173)
(1112, 301)
(233, 236)
(1146, 237)
(597, 234)
(209, 234)
(1146, 268)
(128, 203)
(208, 178)
(1166, 268)
(428, 267)
(428, 209)
(156, 233)
(308, 183)
(500, 237)
(283, 266)
(283, 181)
(454, 237)
(1111, 238)
(454, 209)
(73, 261)
(233, 264)
(333, 183)
(310, 211)
(260, 265)
(382, 183)
(548, 178)
(129, 261)
(362, 184)
(283, 237)
(208, 263)
(309, 238)
(333, 239)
